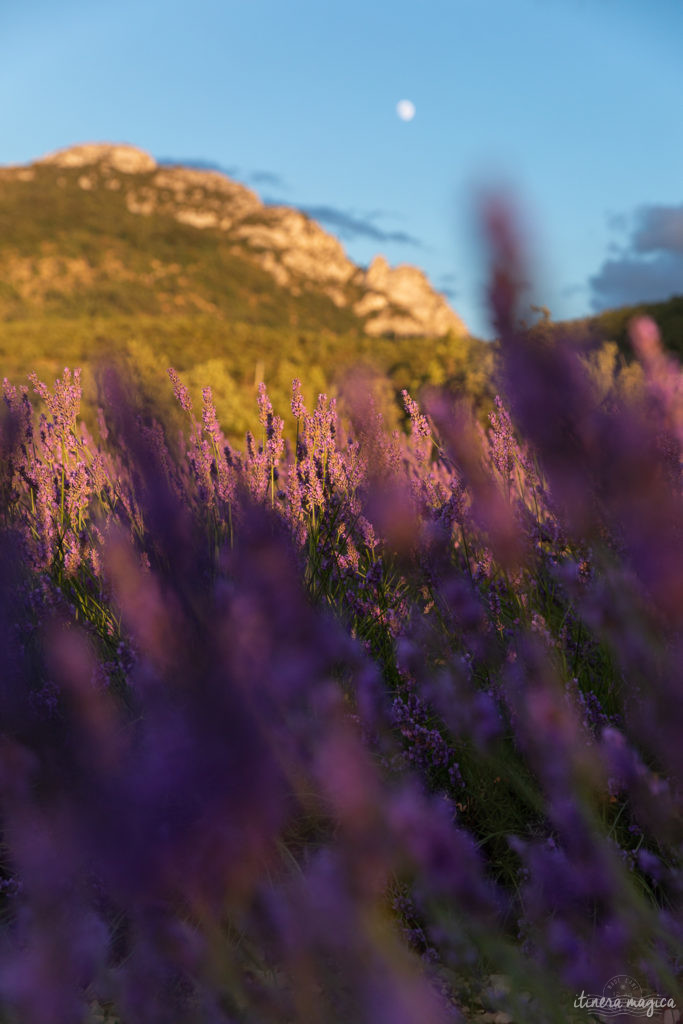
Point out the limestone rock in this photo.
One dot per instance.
(371, 302)
(305, 249)
(405, 287)
(124, 158)
(188, 182)
(198, 218)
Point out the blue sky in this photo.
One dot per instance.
(574, 106)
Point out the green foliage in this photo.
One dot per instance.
(84, 278)
(613, 325)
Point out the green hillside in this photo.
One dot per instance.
(612, 325)
(173, 267)
(81, 277)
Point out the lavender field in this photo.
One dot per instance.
(362, 726)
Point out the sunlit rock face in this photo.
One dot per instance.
(121, 157)
(289, 245)
(407, 288)
(305, 250)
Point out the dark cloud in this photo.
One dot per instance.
(648, 266)
(659, 228)
(629, 280)
(265, 178)
(345, 223)
(254, 177)
(350, 225)
(197, 165)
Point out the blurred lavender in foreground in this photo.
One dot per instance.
(342, 733)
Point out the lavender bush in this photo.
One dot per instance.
(374, 727)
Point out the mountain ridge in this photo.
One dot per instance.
(106, 255)
(288, 244)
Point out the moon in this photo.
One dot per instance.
(405, 110)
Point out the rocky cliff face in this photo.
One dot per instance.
(127, 159)
(404, 288)
(290, 246)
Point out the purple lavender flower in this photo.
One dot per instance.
(180, 391)
(223, 713)
(298, 407)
